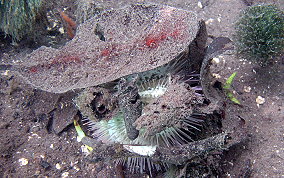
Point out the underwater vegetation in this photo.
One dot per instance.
(227, 86)
(18, 16)
(260, 33)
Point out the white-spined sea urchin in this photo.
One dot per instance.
(153, 85)
(157, 82)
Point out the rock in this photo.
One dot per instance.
(114, 44)
(260, 100)
(64, 113)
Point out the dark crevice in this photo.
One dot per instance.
(100, 33)
(70, 126)
(218, 85)
(50, 122)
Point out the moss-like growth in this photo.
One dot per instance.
(86, 9)
(17, 17)
(260, 33)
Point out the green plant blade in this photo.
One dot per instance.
(229, 81)
(232, 98)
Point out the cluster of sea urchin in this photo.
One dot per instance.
(153, 85)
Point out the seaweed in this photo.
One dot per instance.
(17, 17)
(260, 33)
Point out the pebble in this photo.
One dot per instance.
(76, 168)
(260, 100)
(209, 21)
(216, 60)
(5, 73)
(85, 150)
(216, 75)
(23, 161)
(65, 174)
(199, 4)
(247, 89)
(57, 166)
(219, 19)
(61, 30)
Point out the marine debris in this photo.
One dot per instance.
(136, 38)
(144, 99)
(160, 107)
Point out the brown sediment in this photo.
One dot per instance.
(158, 39)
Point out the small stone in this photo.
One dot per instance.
(219, 19)
(23, 161)
(199, 4)
(216, 75)
(209, 21)
(44, 164)
(247, 89)
(54, 25)
(57, 166)
(5, 73)
(85, 150)
(216, 60)
(61, 30)
(260, 100)
(42, 156)
(65, 174)
(76, 168)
